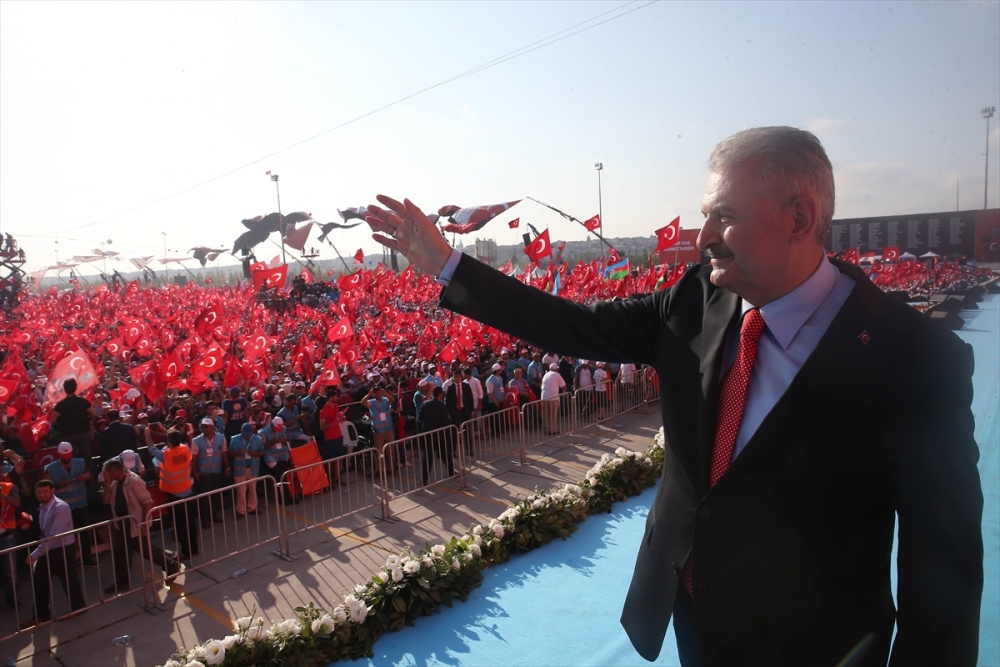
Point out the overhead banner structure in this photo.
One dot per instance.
(974, 234)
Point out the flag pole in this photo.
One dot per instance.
(281, 218)
(339, 256)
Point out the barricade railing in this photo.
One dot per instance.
(331, 490)
(629, 393)
(419, 461)
(547, 419)
(592, 406)
(492, 437)
(82, 585)
(358, 481)
(207, 528)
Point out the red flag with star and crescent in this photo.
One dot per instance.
(667, 236)
(540, 247)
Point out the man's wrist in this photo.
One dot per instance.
(445, 276)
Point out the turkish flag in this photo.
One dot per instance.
(210, 362)
(271, 278)
(667, 236)
(296, 238)
(307, 274)
(359, 257)
(208, 320)
(147, 377)
(7, 388)
(75, 365)
(257, 266)
(513, 224)
(33, 434)
(593, 224)
(339, 331)
(540, 247)
(851, 256)
(890, 254)
(234, 373)
(171, 367)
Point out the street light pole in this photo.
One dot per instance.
(600, 208)
(281, 218)
(987, 114)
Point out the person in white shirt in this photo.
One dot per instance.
(477, 397)
(601, 387)
(627, 378)
(50, 558)
(552, 384)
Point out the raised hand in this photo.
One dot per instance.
(404, 228)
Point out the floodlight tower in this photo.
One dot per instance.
(281, 218)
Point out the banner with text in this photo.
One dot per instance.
(946, 234)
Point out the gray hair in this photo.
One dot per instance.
(792, 161)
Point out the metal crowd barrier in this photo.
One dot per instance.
(420, 461)
(629, 393)
(205, 529)
(492, 437)
(546, 419)
(91, 586)
(353, 483)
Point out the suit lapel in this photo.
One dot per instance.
(720, 312)
(840, 353)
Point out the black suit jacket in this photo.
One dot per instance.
(459, 416)
(116, 438)
(792, 547)
(433, 415)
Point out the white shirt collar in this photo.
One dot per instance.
(785, 316)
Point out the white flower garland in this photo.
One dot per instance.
(402, 569)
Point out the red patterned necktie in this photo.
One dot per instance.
(732, 400)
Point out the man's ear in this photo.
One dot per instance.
(805, 219)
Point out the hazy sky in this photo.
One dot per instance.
(109, 107)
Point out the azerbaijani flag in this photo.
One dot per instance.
(556, 285)
(618, 270)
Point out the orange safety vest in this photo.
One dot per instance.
(8, 515)
(175, 473)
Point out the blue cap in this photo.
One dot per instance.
(247, 429)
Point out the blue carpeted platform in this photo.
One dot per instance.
(560, 604)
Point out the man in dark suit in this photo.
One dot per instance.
(459, 401)
(117, 437)
(434, 415)
(770, 538)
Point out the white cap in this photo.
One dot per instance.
(65, 448)
(128, 458)
(553, 367)
(497, 367)
(207, 422)
(278, 423)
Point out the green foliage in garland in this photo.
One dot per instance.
(413, 585)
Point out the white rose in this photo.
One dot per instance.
(592, 481)
(648, 461)
(215, 652)
(243, 622)
(339, 615)
(621, 451)
(397, 575)
(349, 600)
(322, 625)
(438, 550)
(392, 562)
(360, 588)
(558, 497)
(172, 663)
(467, 556)
(428, 562)
(455, 564)
(230, 641)
(475, 550)
(196, 652)
(194, 663)
(359, 612)
(411, 567)
(617, 462)
(478, 530)
(257, 632)
(538, 504)
(498, 530)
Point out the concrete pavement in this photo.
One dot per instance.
(331, 559)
